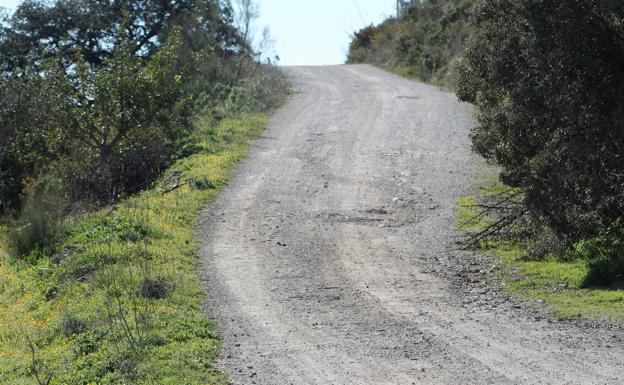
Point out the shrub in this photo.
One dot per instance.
(39, 223)
(131, 128)
(547, 79)
(157, 288)
(88, 341)
(605, 256)
(203, 183)
(72, 326)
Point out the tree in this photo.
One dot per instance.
(247, 12)
(125, 120)
(246, 15)
(547, 79)
(106, 131)
(39, 29)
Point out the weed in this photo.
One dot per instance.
(155, 288)
(203, 183)
(38, 225)
(72, 325)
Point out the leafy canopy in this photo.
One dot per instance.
(40, 29)
(547, 79)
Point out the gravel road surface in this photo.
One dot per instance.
(331, 258)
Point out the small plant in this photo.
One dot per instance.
(203, 183)
(72, 326)
(88, 342)
(605, 258)
(39, 223)
(155, 288)
(127, 367)
(133, 226)
(49, 291)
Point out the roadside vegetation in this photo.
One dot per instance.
(118, 122)
(546, 80)
(425, 42)
(118, 299)
(558, 280)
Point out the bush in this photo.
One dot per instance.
(203, 183)
(157, 288)
(605, 256)
(88, 341)
(106, 132)
(131, 129)
(547, 79)
(27, 140)
(39, 223)
(232, 86)
(72, 326)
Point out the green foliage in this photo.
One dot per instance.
(122, 122)
(134, 312)
(564, 279)
(56, 29)
(424, 43)
(72, 326)
(105, 133)
(155, 288)
(27, 139)
(40, 222)
(105, 106)
(227, 87)
(605, 256)
(547, 78)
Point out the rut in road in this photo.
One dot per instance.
(323, 260)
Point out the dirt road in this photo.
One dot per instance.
(331, 257)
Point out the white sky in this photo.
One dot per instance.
(314, 32)
(311, 32)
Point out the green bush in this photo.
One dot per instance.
(104, 99)
(547, 80)
(72, 326)
(605, 257)
(155, 288)
(39, 223)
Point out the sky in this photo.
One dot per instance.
(311, 32)
(315, 32)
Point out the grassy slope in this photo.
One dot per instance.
(93, 311)
(556, 282)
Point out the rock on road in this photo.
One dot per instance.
(322, 259)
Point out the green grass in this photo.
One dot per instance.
(91, 310)
(557, 282)
(467, 209)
